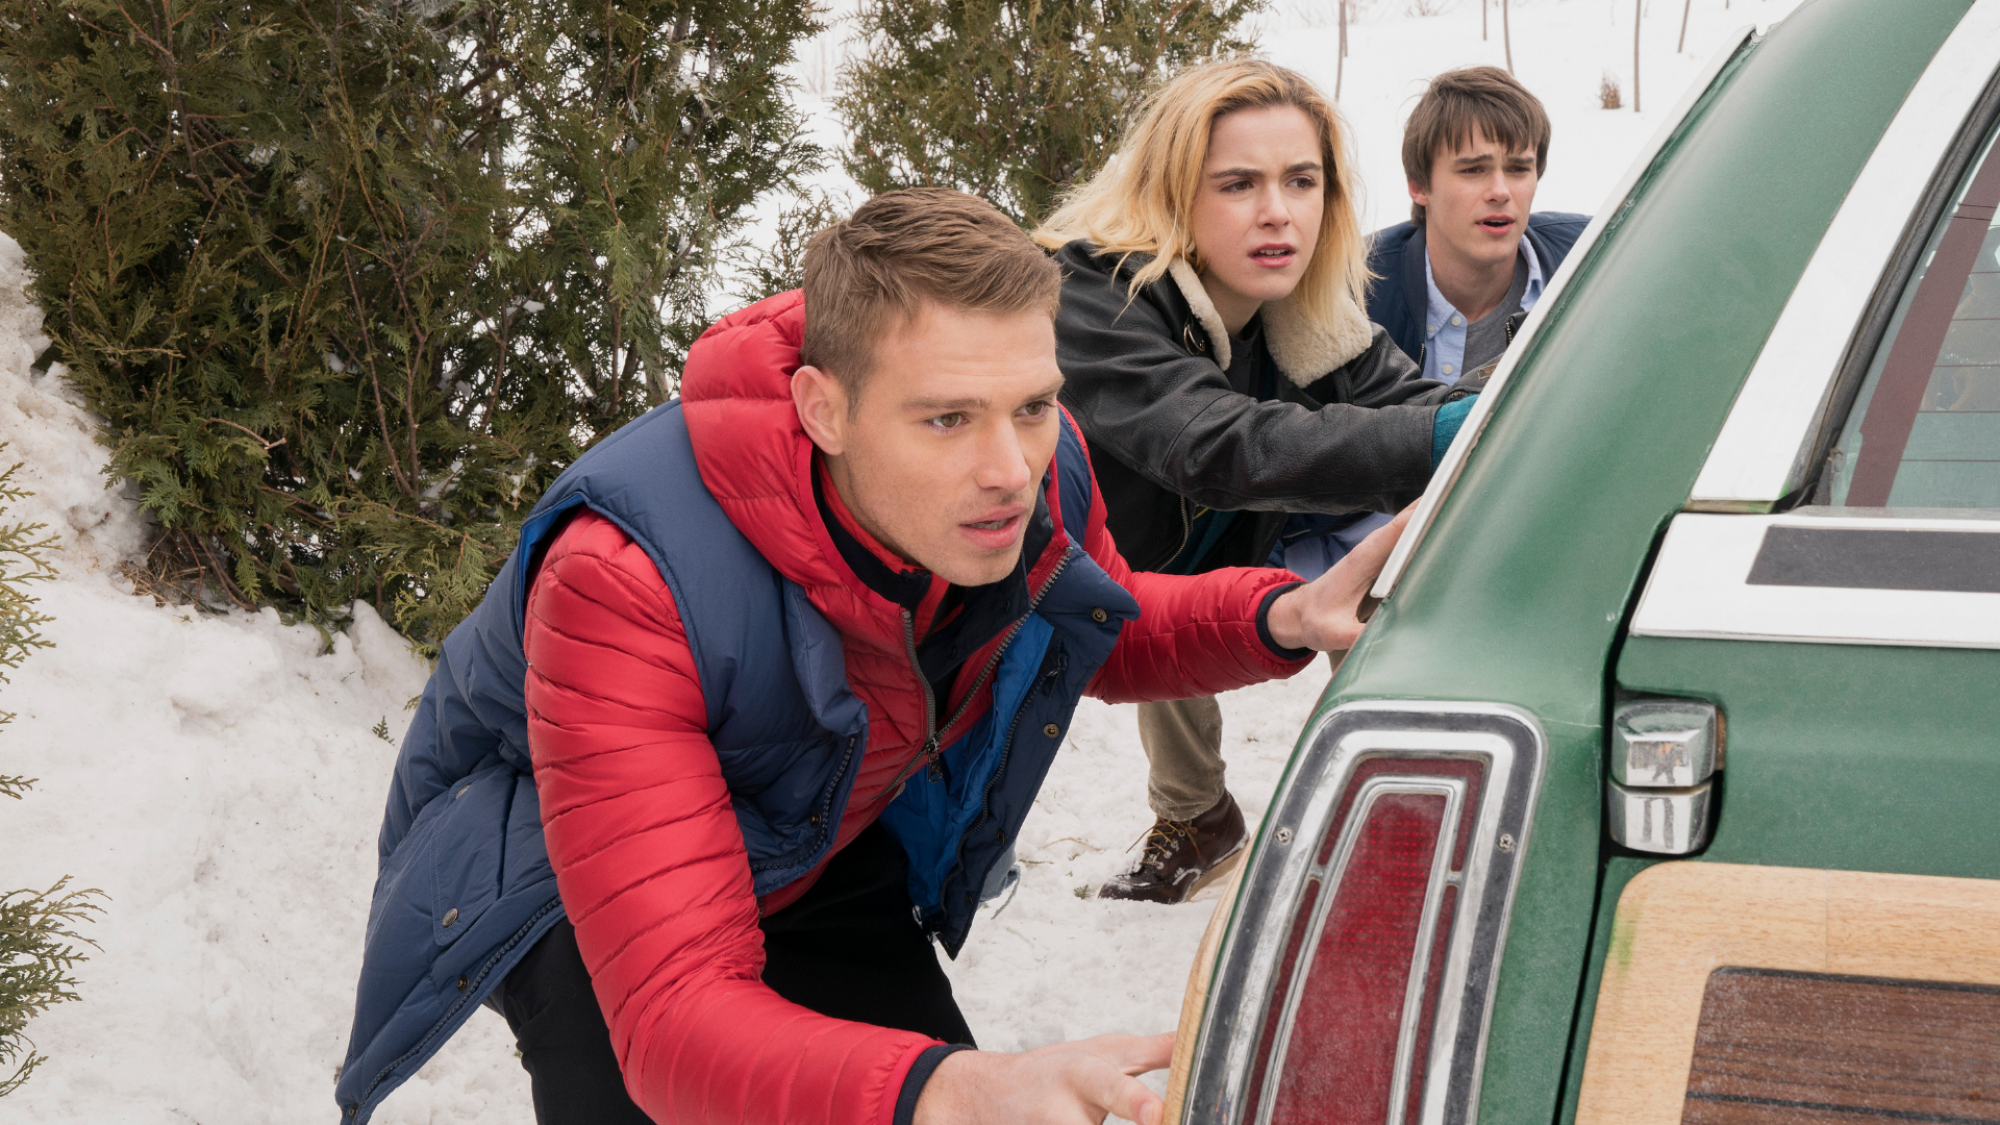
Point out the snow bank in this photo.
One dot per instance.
(44, 427)
(216, 774)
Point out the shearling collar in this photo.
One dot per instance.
(1303, 350)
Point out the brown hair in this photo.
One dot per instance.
(902, 250)
(1484, 99)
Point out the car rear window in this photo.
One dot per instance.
(1925, 428)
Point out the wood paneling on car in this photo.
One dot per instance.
(1677, 923)
(1774, 1045)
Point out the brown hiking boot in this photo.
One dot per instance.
(1182, 856)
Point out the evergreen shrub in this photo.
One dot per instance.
(1013, 100)
(776, 262)
(39, 952)
(39, 946)
(23, 560)
(350, 281)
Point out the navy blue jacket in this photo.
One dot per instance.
(465, 885)
(1398, 297)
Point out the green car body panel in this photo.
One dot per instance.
(1851, 757)
(1521, 590)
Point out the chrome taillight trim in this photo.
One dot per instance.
(1514, 751)
(1452, 789)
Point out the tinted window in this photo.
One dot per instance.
(1925, 428)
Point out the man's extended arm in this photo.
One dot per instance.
(1251, 614)
(1196, 635)
(655, 877)
(652, 867)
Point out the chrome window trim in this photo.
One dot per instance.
(1698, 588)
(1452, 789)
(1767, 445)
(1765, 449)
(1232, 1020)
(1616, 201)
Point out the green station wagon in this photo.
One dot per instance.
(1665, 784)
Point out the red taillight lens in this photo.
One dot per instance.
(1341, 1058)
(1330, 1042)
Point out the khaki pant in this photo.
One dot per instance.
(1183, 741)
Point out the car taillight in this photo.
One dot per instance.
(1351, 974)
(1332, 1046)
(1341, 1058)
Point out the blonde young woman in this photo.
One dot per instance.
(1219, 361)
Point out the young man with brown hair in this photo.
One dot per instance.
(752, 716)
(1454, 283)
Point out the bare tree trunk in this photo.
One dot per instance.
(1340, 67)
(1482, 21)
(1507, 36)
(1682, 45)
(1638, 13)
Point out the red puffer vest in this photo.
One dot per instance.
(647, 852)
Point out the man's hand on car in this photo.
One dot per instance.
(1320, 615)
(1079, 1083)
(1060, 1084)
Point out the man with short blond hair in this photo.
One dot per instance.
(1454, 283)
(754, 713)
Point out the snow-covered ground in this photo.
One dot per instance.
(218, 778)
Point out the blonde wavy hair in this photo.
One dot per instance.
(1143, 200)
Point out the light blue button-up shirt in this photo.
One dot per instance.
(1444, 326)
